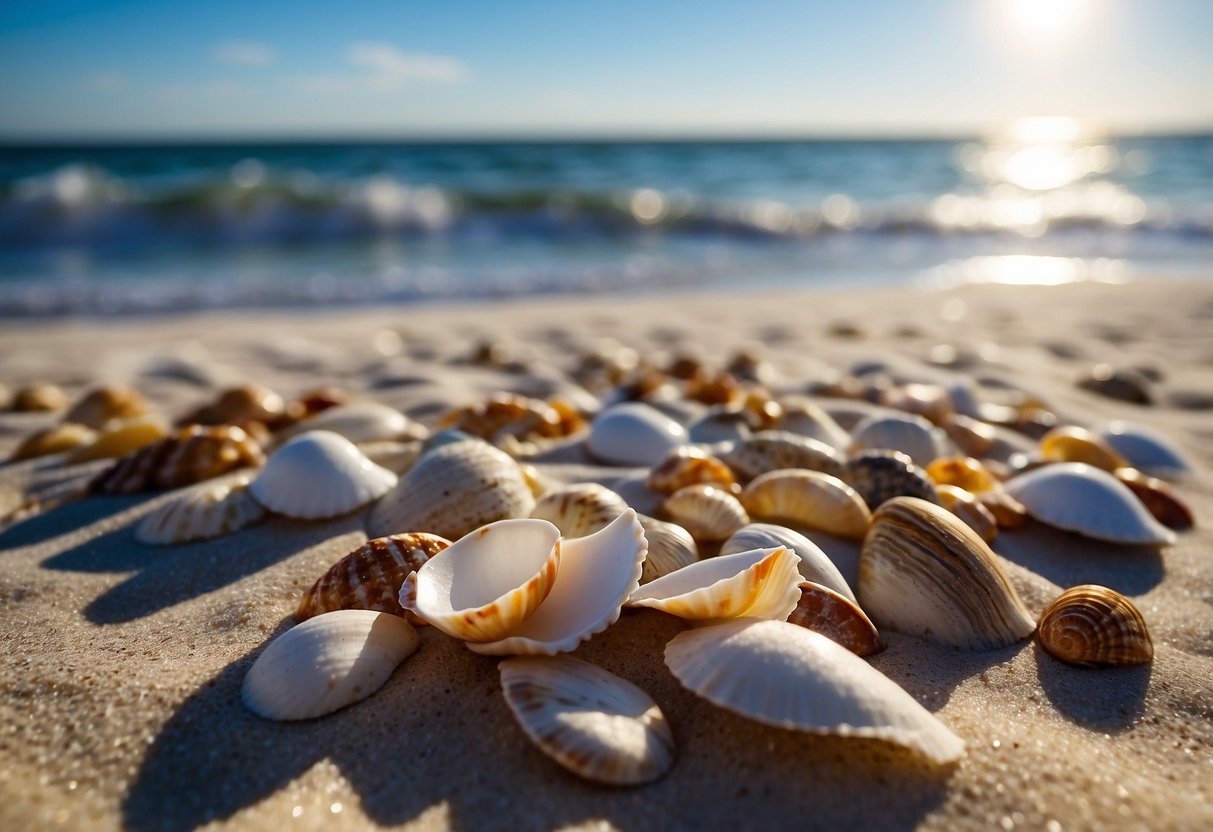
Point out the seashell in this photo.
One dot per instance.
(1008, 512)
(210, 509)
(802, 417)
(882, 475)
(708, 513)
(241, 406)
(1093, 626)
(597, 574)
(779, 674)
(362, 422)
(913, 435)
(482, 586)
(972, 512)
(593, 723)
(326, 663)
(808, 498)
(972, 436)
(633, 433)
(370, 577)
(121, 437)
(720, 424)
(1146, 450)
(184, 457)
(760, 410)
(319, 474)
(39, 398)
(748, 364)
(962, 472)
(717, 388)
(580, 509)
(1158, 498)
(101, 404)
(1069, 443)
(836, 617)
(814, 564)
(925, 573)
(53, 440)
(760, 583)
(394, 455)
(930, 401)
(690, 465)
(771, 450)
(508, 414)
(1082, 498)
(456, 486)
(670, 547)
(1120, 383)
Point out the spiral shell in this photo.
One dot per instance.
(708, 513)
(1093, 626)
(808, 498)
(579, 509)
(187, 456)
(836, 617)
(770, 450)
(882, 475)
(690, 465)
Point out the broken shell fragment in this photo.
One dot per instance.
(761, 583)
(836, 617)
(209, 509)
(708, 513)
(319, 474)
(808, 498)
(770, 450)
(814, 564)
(184, 457)
(1093, 626)
(580, 509)
(881, 475)
(633, 433)
(671, 547)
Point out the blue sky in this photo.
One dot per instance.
(152, 68)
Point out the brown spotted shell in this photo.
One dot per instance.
(773, 449)
(579, 509)
(1093, 626)
(836, 617)
(689, 465)
(881, 475)
(101, 404)
(186, 456)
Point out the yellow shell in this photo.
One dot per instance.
(808, 498)
(760, 583)
(54, 440)
(836, 617)
(963, 472)
(1093, 626)
(102, 404)
(1074, 444)
(122, 437)
(708, 513)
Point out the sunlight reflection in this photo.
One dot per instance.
(1027, 270)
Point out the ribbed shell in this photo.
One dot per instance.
(808, 498)
(187, 456)
(814, 564)
(775, 449)
(1094, 626)
(882, 475)
(910, 434)
(762, 583)
(836, 617)
(633, 433)
(670, 547)
(209, 509)
(591, 722)
(925, 573)
(708, 513)
(782, 675)
(1069, 443)
(580, 509)
(690, 465)
(319, 474)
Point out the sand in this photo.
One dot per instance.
(120, 664)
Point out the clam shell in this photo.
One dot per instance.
(580, 509)
(690, 465)
(1093, 626)
(1146, 449)
(913, 435)
(210, 509)
(362, 422)
(326, 663)
(670, 547)
(370, 577)
(101, 404)
(708, 513)
(53, 440)
(808, 498)
(970, 511)
(779, 674)
(186, 456)
(1069, 443)
(1081, 498)
(486, 583)
(121, 437)
(814, 564)
(39, 398)
(836, 617)
(761, 583)
(720, 424)
(633, 433)
(925, 573)
(597, 574)
(319, 474)
(970, 435)
(882, 475)
(455, 487)
(774, 449)
(804, 418)
(395, 455)
(591, 722)
(1158, 498)
(962, 472)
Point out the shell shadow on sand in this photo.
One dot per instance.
(1068, 559)
(1107, 699)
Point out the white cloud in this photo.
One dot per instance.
(385, 68)
(107, 82)
(244, 53)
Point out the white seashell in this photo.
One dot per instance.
(452, 489)
(814, 564)
(787, 676)
(486, 583)
(912, 435)
(633, 433)
(761, 583)
(719, 424)
(1146, 449)
(394, 455)
(326, 663)
(592, 722)
(317, 475)
(803, 417)
(597, 574)
(670, 547)
(808, 498)
(362, 422)
(1081, 498)
(708, 513)
(210, 509)
(580, 509)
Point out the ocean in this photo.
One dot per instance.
(114, 229)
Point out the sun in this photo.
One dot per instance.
(1044, 21)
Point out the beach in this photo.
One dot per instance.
(121, 663)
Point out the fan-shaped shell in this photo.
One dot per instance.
(580, 509)
(770, 450)
(913, 435)
(362, 422)
(925, 573)
(782, 675)
(210, 509)
(326, 663)
(1083, 499)
(593, 723)
(121, 437)
(972, 512)
(101, 404)
(761, 583)
(633, 433)
(671, 547)
(1093, 626)
(1146, 449)
(690, 465)
(187, 456)
(53, 440)
(708, 513)
(1070, 443)
(836, 617)
(808, 498)
(319, 474)
(814, 564)
(882, 475)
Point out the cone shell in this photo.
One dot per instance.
(53, 440)
(593, 723)
(370, 577)
(1093, 626)
(913, 435)
(326, 663)
(925, 573)
(786, 676)
(1158, 498)
(1081, 498)
(455, 487)
(207, 510)
(99, 405)
(187, 456)
(362, 422)
(708, 513)
(1146, 449)
(761, 583)
(808, 498)
(580, 509)
(121, 437)
(633, 433)
(882, 475)
(970, 511)
(671, 547)
(775, 449)
(690, 465)
(839, 619)
(317, 475)
(1070, 443)
(814, 564)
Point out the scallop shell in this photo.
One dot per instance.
(319, 474)
(670, 547)
(814, 564)
(1158, 498)
(913, 435)
(455, 487)
(370, 577)
(1093, 626)
(53, 440)
(882, 475)
(760, 583)
(597, 574)
(186, 456)
(690, 465)
(580, 509)
(593, 723)
(633, 433)
(485, 584)
(1083, 499)
(970, 511)
(708, 513)
(101, 404)
(779, 674)
(326, 663)
(1069, 443)
(362, 422)
(774, 449)
(808, 498)
(121, 437)
(1146, 449)
(836, 617)
(210, 509)
(925, 573)
(804, 418)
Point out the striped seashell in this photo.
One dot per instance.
(775, 449)
(580, 509)
(808, 498)
(761, 583)
(1094, 626)
(962, 472)
(882, 475)
(690, 465)
(317, 475)
(971, 511)
(207, 510)
(708, 513)
(186, 456)
(925, 573)
(633, 433)
(53, 440)
(1146, 449)
(370, 577)
(101, 404)
(593, 723)
(814, 564)
(121, 437)
(671, 547)
(1069, 443)
(836, 617)
(913, 435)
(789, 677)
(1158, 498)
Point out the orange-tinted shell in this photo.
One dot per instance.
(968, 508)
(506, 414)
(689, 465)
(185, 457)
(1070, 443)
(240, 406)
(1158, 498)
(101, 404)
(963, 472)
(1093, 626)
(824, 611)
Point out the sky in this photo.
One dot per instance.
(81, 69)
